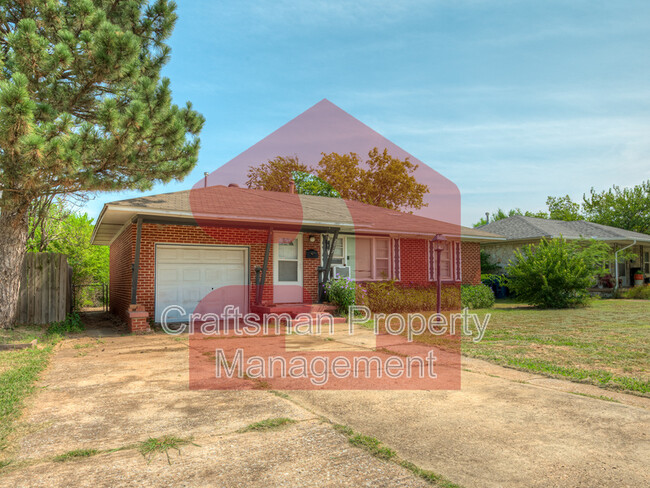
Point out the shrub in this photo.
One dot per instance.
(638, 293)
(487, 263)
(476, 296)
(72, 323)
(342, 292)
(551, 274)
(390, 296)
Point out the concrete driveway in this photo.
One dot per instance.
(504, 428)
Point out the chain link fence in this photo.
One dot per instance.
(90, 297)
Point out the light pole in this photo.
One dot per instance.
(438, 245)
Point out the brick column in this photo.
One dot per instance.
(138, 319)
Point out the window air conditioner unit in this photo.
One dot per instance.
(341, 271)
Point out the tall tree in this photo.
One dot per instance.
(563, 208)
(381, 180)
(275, 174)
(626, 208)
(83, 108)
(69, 232)
(384, 181)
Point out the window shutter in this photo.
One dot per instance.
(459, 263)
(397, 274)
(432, 261)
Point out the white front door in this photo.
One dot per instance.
(201, 278)
(287, 268)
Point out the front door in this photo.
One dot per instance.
(287, 268)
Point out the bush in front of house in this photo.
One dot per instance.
(638, 293)
(341, 292)
(476, 296)
(393, 297)
(551, 274)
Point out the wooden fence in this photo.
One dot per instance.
(45, 289)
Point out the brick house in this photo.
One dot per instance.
(520, 231)
(210, 247)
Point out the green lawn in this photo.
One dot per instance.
(19, 370)
(606, 343)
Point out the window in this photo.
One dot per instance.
(449, 261)
(647, 262)
(372, 258)
(339, 257)
(339, 251)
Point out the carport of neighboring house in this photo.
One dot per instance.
(246, 253)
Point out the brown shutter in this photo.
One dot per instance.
(459, 264)
(397, 270)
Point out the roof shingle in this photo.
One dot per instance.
(520, 227)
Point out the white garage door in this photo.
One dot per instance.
(211, 275)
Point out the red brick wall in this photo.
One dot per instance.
(414, 262)
(120, 261)
(310, 269)
(471, 252)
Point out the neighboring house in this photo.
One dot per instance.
(176, 248)
(520, 230)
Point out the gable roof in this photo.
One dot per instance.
(519, 227)
(228, 205)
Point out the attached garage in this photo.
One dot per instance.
(214, 276)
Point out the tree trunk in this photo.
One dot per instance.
(13, 238)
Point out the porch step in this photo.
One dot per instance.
(294, 309)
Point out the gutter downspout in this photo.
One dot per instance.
(265, 265)
(136, 263)
(616, 262)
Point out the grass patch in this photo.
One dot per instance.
(378, 450)
(597, 397)
(606, 343)
(428, 476)
(155, 445)
(20, 370)
(280, 394)
(77, 453)
(268, 424)
(22, 334)
(370, 444)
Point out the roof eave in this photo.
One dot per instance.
(257, 220)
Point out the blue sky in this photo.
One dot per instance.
(512, 100)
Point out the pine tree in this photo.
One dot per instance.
(83, 108)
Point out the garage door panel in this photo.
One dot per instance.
(211, 276)
(190, 255)
(192, 273)
(168, 295)
(168, 274)
(167, 255)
